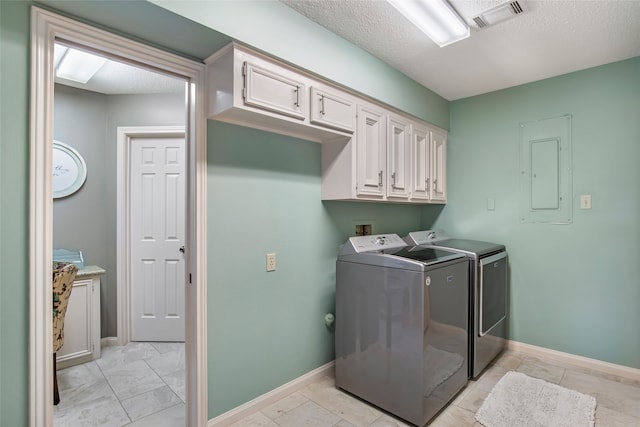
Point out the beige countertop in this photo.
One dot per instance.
(90, 270)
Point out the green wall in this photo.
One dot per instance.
(574, 288)
(266, 329)
(142, 21)
(264, 196)
(237, 334)
(14, 213)
(277, 29)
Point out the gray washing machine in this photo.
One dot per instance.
(488, 293)
(401, 325)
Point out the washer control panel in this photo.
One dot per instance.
(376, 242)
(426, 237)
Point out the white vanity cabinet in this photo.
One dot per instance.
(251, 89)
(82, 320)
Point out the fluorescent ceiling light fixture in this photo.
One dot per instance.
(78, 65)
(436, 18)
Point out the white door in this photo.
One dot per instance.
(157, 229)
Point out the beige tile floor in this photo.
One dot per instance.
(137, 385)
(321, 404)
(142, 384)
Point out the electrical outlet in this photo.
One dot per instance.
(271, 262)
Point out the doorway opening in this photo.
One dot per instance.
(47, 29)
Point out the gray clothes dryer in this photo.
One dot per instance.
(401, 325)
(488, 293)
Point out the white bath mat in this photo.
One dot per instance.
(518, 400)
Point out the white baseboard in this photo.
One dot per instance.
(581, 361)
(108, 342)
(273, 396)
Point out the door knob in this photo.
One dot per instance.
(182, 249)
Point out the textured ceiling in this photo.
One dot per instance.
(551, 38)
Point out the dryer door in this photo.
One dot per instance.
(492, 291)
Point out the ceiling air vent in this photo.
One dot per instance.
(499, 13)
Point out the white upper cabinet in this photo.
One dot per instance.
(330, 109)
(391, 158)
(251, 89)
(421, 162)
(438, 172)
(428, 177)
(273, 91)
(398, 155)
(370, 153)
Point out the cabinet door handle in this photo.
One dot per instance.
(297, 103)
(393, 177)
(322, 105)
(244, 74)
(380, 179)
(427, 184)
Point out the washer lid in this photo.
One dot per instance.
(439, 239)
(414, 259)
(472, 248)
(475, 247)
(428, 256)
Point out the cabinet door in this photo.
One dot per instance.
(438, 166)
(80, 325)
(273, 91)
(398, 151)
(331, 110)
(370, 152)
(421, 162)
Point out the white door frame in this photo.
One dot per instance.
(46, 27)
(124, 136)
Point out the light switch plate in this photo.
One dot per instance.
(585, 201)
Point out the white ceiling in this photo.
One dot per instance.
(550, 38)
